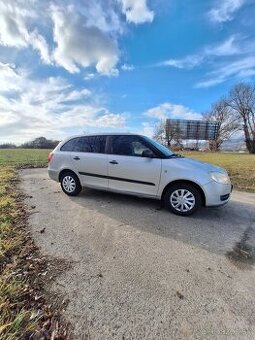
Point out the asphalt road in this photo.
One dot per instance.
(139, 272)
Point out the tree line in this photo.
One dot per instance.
(233, 113)
(37, 143)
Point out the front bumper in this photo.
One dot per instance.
(217, 194)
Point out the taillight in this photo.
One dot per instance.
(50, 156)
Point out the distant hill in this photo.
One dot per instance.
(237, 144)
(234, 144)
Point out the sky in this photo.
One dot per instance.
(80, 66)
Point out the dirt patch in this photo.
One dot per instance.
(31, 166)
(243, 253)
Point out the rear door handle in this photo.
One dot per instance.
(76, 158)
(113, 162)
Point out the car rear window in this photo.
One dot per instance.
(93, 144)
(69, 146)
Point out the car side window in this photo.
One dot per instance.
(99, 144)
(92, 144)
(128, 146)
(82, 145)
(68, 146)
(139, 148)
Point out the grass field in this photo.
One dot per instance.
(241, 167)
(23, 157)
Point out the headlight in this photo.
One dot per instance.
(220, 177)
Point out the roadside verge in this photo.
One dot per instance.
(27, 310)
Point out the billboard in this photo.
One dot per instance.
(193, 129)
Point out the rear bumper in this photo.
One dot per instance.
(217, 194)
(53, 174)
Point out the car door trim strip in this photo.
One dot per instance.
(116, 178)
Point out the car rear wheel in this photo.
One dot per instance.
(183, 199)
(70, 184)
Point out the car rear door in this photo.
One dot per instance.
(90, 161)
(128, 170)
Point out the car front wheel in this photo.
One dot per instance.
(182, 199)
(70, 184)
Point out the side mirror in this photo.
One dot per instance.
(148, 153)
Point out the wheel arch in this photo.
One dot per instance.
(63, 171)
(198, 187)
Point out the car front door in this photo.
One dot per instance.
(90, 161)
(133, 167)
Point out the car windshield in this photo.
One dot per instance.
(160, 147)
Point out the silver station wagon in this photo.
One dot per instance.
(137, 165)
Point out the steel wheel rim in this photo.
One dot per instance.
(69, 184)
(182, 200)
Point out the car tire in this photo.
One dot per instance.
(70, 183)
(182, 199)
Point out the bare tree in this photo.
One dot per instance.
(40, 143)
(242, 101)
(172, 133)
(228, 123)
(8, 146)
(159, 132)
(165, 133)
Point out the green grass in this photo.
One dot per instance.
(24, 157)
(240, 167)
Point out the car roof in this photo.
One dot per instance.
(105, 134)
(100, 134)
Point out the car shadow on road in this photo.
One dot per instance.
(214, 229)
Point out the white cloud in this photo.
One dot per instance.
(186, 62)
(39, 43)
(230, 59)
(169, 110)
(73, 34)
(225, 10)
(48, 107)
(13, 25)
(137, 11)
(89, 76)
(110, 120)
(81, 45)
(237, 69)
(10, 80)
(229, 47)
(148, 129)
(127, 67)
(15, 31)
(102, 14)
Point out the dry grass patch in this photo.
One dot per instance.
(24, 311)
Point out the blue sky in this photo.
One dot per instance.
(75, 66)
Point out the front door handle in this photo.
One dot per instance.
(113, 162)
(76, 158)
